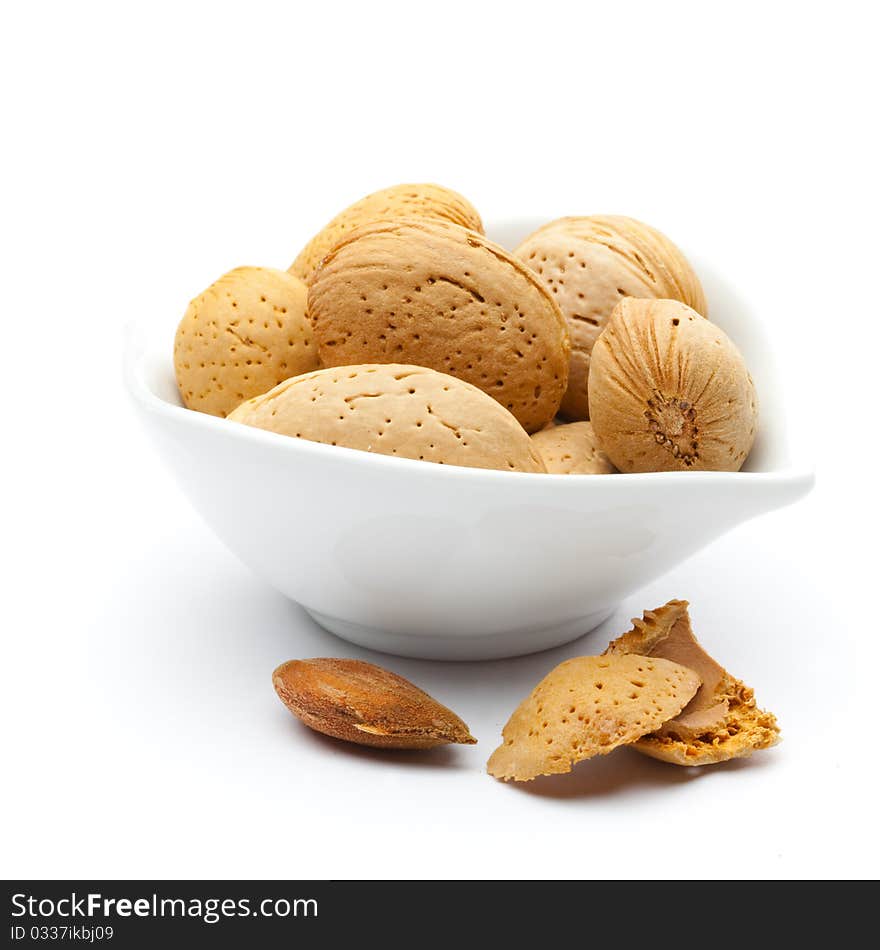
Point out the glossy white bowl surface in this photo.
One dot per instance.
(455, 563)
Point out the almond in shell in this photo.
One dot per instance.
(571, 449)
(421, 201)
(589, 264)
(669, 391)
(442, 296)
(391, 409)
(242, 336)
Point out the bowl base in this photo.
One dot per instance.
(489, 647)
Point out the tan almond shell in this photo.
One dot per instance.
(572, 449)
(669, 391)
(242, 336)
(366, 704)
(589, 264)
(428, 201)
(589, 706)
(733, 725)
(442, 296)
(393, 409)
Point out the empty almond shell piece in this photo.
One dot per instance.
(589, 264)
(242, 336)
(589, 706)
(422, 201)
(669, 391)
(439, 295)
(571, 449)
(722, 721)
(407, 411)
(365, 704)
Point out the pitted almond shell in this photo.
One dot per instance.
(669, 391)
(589, 264)
(366, 704)
(428, 201)
(589, 706)
(406, 411)
(439, 295)
(242, 336)
(571, 449)
(722, 721)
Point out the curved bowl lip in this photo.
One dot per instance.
(137, 353)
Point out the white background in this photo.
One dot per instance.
(145, 154)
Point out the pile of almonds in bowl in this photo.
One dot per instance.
(401, 329)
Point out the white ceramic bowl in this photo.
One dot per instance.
(456, 563)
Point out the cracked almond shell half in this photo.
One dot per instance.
(589, 706)
(722, 721)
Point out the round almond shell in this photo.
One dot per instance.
(242, 336)
(424, 201)
(442, 296)
(669, 391)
